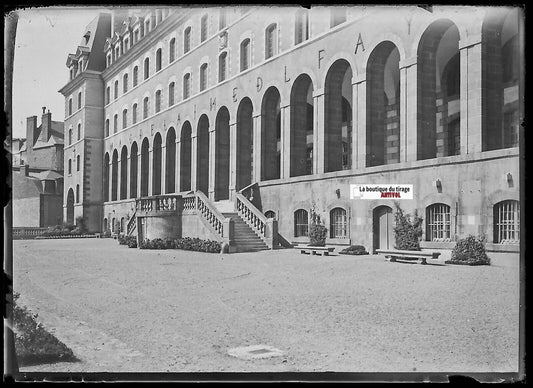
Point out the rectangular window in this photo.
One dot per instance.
(270, 41)
(338, 223)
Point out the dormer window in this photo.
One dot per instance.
(136, 36)
(108, 59)
(126, 44)
(117, 52)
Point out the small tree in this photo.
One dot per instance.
(317, 231)
(407, 232)
(81, 224)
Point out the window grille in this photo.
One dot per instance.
(438, 222)
(507, 222)
(270, 214)
(338, 223)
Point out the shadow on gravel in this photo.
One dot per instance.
(32, 360)
(415, 262)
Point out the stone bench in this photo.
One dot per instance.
(313, 250)
(391, 255)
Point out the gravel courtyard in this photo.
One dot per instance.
(131, 310)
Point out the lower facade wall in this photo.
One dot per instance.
(470, 188)
(164, 227)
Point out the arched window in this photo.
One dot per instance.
(125, 83)
(203, 77)
(270, 214)
(107, 128)
(271, 37)
(245, 54)
(171, 87)
(134, 114)
(507, 222)
(108, 95)
(124, 118)
(116, 89)
(135, 75)
(338, 223)
(157, 101)
(78, 163)
(146, 68)
(78, 193)
(222, 19)
(186, 86)
(70, 136)
(222, 66)
(438, 222)
(187, 40)
(338, 16)
(301, 27)
(145, 107)
(70, 166)
(115, 123)
(301, 223)
(70, 106)
(79, 100)
(172, 50)
(79, 131)
(203, 28)
(158, 60)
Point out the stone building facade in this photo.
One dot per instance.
(289, 107)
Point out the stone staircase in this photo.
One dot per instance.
(244, 237)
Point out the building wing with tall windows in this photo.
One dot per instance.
(231, 123)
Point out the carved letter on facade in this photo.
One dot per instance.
(234, 94)
(259, 84)
(212, 103)
(286, 79)
(359, 43)
(320, 57)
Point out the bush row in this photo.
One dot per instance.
(187, 243)
(32, 342)
(130, 241)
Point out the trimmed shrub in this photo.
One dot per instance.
(407, 232)
(469, 251)
(354, 250)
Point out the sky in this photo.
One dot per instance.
(45, 36)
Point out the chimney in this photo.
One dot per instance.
(46, 125)
(31, 131)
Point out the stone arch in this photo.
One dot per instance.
(114, 176)
(185, 156)
(156, 166)
(202, 155)
(244, 167)
(438, 45)
(106, 177)
(170, 161)
(124, 172)
(501, 48)
(134, 166)
(222, 154)
(338, 102)
(271, 134)
(70, 206)
(145, 165)
(383, 105)
(301, 126)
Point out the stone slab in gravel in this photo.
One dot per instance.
(131, 310)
